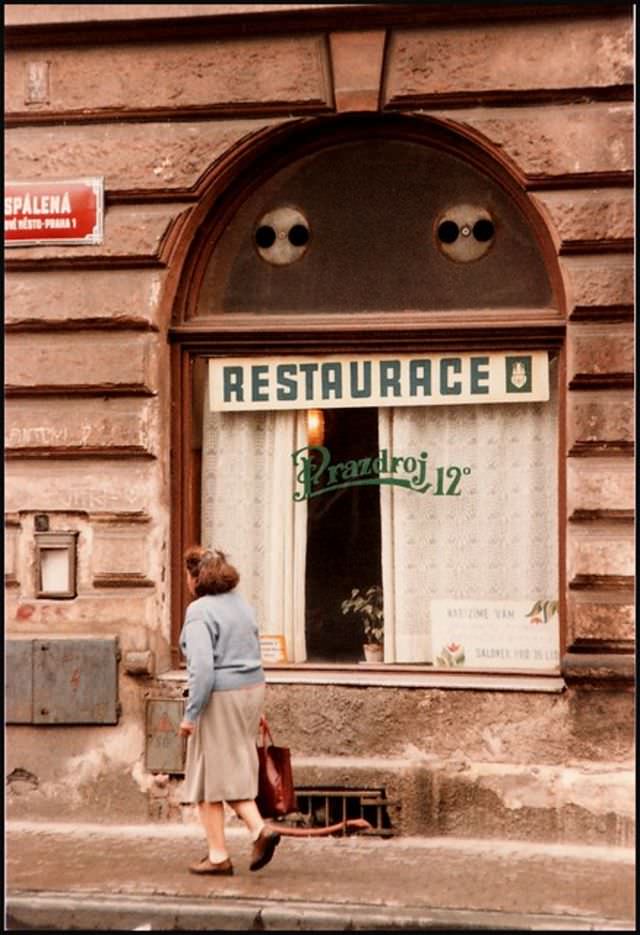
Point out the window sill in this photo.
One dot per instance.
(390, 676)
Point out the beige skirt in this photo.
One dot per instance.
(222, 760)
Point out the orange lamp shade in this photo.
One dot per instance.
(315, 426)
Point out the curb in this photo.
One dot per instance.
(58, 911)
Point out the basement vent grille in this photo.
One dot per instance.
(320, 808)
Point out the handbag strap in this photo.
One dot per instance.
(265, 732)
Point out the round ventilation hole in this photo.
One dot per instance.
(282, 236)
(465, 233)
(448, 232)
(265, 236)
(483, 230)
(299, 235)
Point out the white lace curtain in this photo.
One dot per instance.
(249, 513)
(496, 541)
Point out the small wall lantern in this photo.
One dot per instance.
(56, 564)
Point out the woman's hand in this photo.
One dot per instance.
(186, 728)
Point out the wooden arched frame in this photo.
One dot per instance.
(224, 189)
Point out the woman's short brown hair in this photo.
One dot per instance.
(211, 571)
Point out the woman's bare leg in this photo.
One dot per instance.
(212, 818)
(265, 839)
(247, 810)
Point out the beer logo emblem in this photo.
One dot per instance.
(518, 374)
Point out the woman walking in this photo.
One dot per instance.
(226, 696)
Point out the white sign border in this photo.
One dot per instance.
(538, 393)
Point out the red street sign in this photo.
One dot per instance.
(53, 212)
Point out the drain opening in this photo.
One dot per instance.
(320, 808)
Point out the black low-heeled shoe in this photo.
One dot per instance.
(263, 848)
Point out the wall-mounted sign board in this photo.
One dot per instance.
(496, 634)
(273, 648)
(239, 384)
(57, 212)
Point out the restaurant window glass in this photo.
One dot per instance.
(450, 509)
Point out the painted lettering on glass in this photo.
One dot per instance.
(316, 473)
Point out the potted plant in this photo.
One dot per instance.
(367, 604)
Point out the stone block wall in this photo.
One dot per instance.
(155, 101)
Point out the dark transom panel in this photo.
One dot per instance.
(374, 209)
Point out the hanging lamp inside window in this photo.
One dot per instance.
(315, 426)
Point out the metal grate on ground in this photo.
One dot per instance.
(320, 808)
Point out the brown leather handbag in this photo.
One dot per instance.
(276, 793)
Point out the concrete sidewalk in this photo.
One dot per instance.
(93, 877)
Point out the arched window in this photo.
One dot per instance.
(371, 337)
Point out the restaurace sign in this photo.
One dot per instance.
(239, 384)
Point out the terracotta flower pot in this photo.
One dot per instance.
(373, 652)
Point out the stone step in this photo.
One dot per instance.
(586, 804)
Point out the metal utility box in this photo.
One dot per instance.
(165, 748)
(63, 681)
(19, 681)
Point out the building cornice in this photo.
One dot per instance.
(263, 19)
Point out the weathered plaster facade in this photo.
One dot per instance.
(167, 103)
